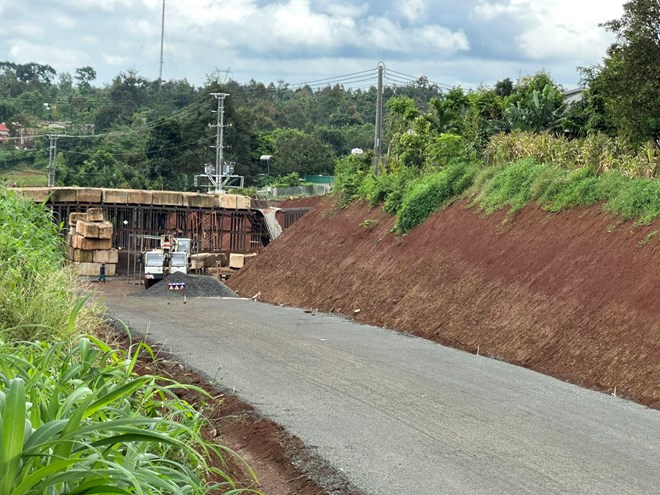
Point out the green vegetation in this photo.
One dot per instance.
(532, 145)
(36, 291)
(431, 192)
(79, 420)
(369, 223)
(155, 134)
(75, 417)
(135, 132)
(629, 80)
(350, 173)
(516, 185)
(598, 152)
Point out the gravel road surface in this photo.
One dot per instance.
(398, 414)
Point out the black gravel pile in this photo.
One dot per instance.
(196, 286)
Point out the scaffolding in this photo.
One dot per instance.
(212, 229)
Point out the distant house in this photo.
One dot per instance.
(573, 95)
(4, 132)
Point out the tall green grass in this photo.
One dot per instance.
(388, 188)
(79, 420)
(507, 186)
(36, 290)
(517, 184)
(597, 152)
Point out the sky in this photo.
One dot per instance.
(451, 42)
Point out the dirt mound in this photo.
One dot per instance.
(196, 286)
(573, 295)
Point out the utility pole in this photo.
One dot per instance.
(162, 40)
(219, 133)
(52, 153)
(379, 119)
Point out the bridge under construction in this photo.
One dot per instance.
(215, 223)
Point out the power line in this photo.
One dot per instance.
(243, 96)
(415, 79)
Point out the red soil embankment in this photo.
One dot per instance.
(565, 294)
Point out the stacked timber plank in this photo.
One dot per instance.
(237, 260)
(89, 243)
(134, 196)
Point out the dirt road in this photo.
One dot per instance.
(399, 414)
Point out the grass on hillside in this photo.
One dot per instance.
(517, 184)
(37, 291)
(414, 198)
(24, 177)
(431, 192)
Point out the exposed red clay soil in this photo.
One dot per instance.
(574, 295)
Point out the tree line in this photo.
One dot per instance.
(141, 133)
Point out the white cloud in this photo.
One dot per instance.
(104, 5)
(412, 10)
(441, 38)
(201, 13)
(298, 39)
(114, 59)
(343, 9)
(60, 58)
(30, 30)
(63, 21)
(489, 11)
(556, 28)
(387, 35)
(295, 23)
(288, 26)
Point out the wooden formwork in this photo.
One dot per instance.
(213, 229)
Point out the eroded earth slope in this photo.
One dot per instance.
(574, 295)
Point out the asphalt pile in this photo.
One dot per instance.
(196, 286)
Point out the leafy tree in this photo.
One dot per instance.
(539, 113)
(101, 169)
(504, 87)
(403, 112)
(291, 180)
(297, 151)
(537, 104)
(85, 76)
(164, 151)
(7, 109)
(127, 95)
(631, 73)
(484, 117)
(334, 137)
(350, 173)
(449, 112)
(589, 114)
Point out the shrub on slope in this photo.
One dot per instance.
(429, 193)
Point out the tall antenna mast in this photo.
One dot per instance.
(162, 40)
